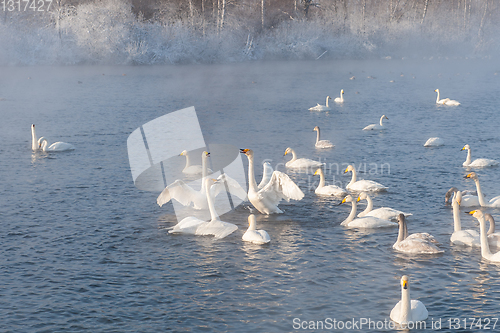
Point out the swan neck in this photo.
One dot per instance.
(252, 184)
(352, 214)
(327, 102)
(341, 96)
(485, 247)
(401, 233)
(437, 99)
(491, 230)
(317, 136)
(479, 193)
(34, 143)
(251, 225)
(369, 206)
(44, 145)
(321, 179)
(294, 156)
(188, 164)
(353, 178)
(457, 224)
(211, 206)
(204, 170)
(381, 119)
(469, 157)
(405, 305)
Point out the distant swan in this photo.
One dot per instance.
(467, 199)
(192, 169)
(362, 185)
(300, 163)
(322, 143)
(459, 236)
(494, 202)
(385, 213)
(485, 247)
(408, 310)
(478, 163)
(328, 189)
(418, 243)
(341, 98)
(434, 142)
(55, 147)
(379, 126)
(279, 187)
(445, 101)
(368, 222)
(255, 236)
(321, 107)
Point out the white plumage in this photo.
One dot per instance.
(255, 236)
(362, 185)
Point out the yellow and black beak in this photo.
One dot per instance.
(343, 200)
(405, 284)
(346, 170)
(243, 151)
(468, 175)
(359, 199)
(471, 212)
(316, 172)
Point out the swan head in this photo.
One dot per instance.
(458, 197)
(32, 126)
(448, 194)
(476, 213)
(404, 282)
(288, 151)
(466, 147)
(210, 181)
(342, 91)
(362, 196)
(184, 153)
(347, 198)
(316, 128)
(384, 117)
(349, 168)
(318, 172)
(437, 90)
(328, 97)
(248, 152)
(40, 141)
(401, 218)
(471, 175)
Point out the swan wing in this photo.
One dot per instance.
(233, 186)
(366, 185)
(256, 236)
(451, 102)
(423, 236)
(217, 228)
(280, 187)
(466, 237)
(303, 163)
(387, 213)
(418, 311)
(179, 191)
(187, 225)
(61, 146)
(324, 144)
(416, 246)
(434, 142)
(370, 222)
(331, 190)
(370, 127)
(483, 162)
(266, 176)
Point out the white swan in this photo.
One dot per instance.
(341, 98)
(255, 236)
(322, 143)
(34, 141)
(362, 185)
(321, 107)
(459, 236)
(434, 142)
(368, 222)
(189, 169)
(266, 174)
(408, 310)
(494, 202)
(215, 226)
(328, 189)
(493, 237)
(187, 196)
(266, 199)
(379, 126)
(385, 213)
(445, 101)
(300, 163)
(55, 147)
(418, 243)
(485, 247)
(478, 163)
(468, 199)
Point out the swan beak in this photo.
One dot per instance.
(462, 149)
(471, 212)
(243, 151)
(359, 199)
(405, 284)
(346, 170)
(468, 176)
(207, 154)
(286, 152)
(343, 201)
(315, 173)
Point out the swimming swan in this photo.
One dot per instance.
(408, 310)
(494, 202)
(368, 222)
(189, 169)
(55, 147)
(300, 163)
(418, 243)
(478, 163)
(376, 126)
(459, 236)
(385, 213)
(328, 189)
(362, 185)
(322, 143)
(255, 236)
(434, 142)
(321, 107)
(485, 247)
(468, 198)
(341, 98)
(266, 199)
(445, 101)
(187, 196)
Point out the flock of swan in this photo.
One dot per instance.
(276, 186)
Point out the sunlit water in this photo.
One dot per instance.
(84, 250)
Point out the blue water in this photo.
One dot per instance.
(83, 250)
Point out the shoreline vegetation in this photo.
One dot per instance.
(142, 32)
